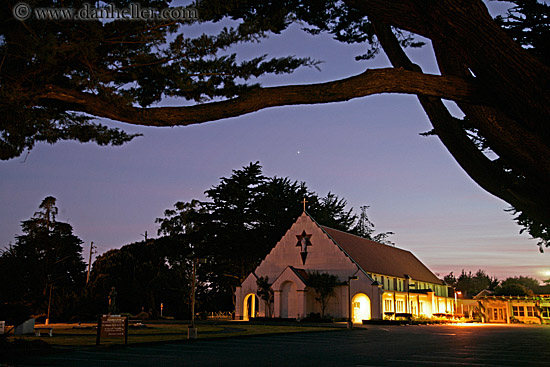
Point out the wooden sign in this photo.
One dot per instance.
(112, 327)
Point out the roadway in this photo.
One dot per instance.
(480, 345)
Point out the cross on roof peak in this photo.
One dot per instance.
(304, 202)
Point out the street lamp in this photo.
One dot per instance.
(350, 321)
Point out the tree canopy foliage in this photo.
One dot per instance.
(241, 220)
(245, 216)
(144, 274)
(46, 258)
(323, 284)
(518, 286)
(56, 76)
(470, 284)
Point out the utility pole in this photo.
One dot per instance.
(49, 304)
(193, 286)
(90, 261)
(144, 236)
(192, 331)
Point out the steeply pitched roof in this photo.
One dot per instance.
(374, 257)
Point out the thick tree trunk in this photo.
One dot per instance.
(503, 69)
(516, 143)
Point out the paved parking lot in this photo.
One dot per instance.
(482, 345)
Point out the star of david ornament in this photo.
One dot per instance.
(303, 242)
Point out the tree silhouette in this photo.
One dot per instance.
(246, 214)
(265, 292)
(323, 285)
(46, 258)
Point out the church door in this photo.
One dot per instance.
(250, 306)
(288, 300)
(361, 308)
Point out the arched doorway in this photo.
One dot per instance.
(288, 300)
(250, 307)
(361, 308)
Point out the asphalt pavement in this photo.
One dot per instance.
(431, 345)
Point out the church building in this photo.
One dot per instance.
(375, 281)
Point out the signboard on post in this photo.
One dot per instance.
(112, 327)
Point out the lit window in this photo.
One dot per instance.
(519, 311)
(399, 306)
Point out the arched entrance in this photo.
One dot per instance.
(288, 300)
(250, 307)
(361, 308)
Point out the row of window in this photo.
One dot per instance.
(518, 311)
(400, 306)
(522, 311)
(397, 284)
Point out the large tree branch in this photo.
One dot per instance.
(498, 62)
(367, 83)
(527, 153)
(482, 170)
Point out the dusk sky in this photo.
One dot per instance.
(367, 151)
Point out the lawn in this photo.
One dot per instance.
(85, 334)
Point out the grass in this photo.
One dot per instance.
(72, 335)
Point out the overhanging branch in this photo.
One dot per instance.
(370, 82)
(501, 65)
(452, 135)
(522, 150)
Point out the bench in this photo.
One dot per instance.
(39, 329)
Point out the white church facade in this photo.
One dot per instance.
(376, 281)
